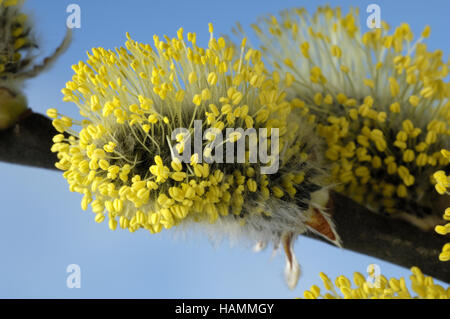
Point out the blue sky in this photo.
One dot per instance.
(43, 229)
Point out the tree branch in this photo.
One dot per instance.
(29, 142)
(390, 239)
(362, 231)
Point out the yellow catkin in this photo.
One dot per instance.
(384, 133)
(18, 51)
(443, 187)
(122, 155)
(122, 158)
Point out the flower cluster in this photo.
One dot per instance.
(443, 187)
(17, 45)
(423, 287)
(121, 157)
(380, 101)
(14, 38)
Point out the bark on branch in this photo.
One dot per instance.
(362, 231)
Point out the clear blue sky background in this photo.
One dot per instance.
(43, 228)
